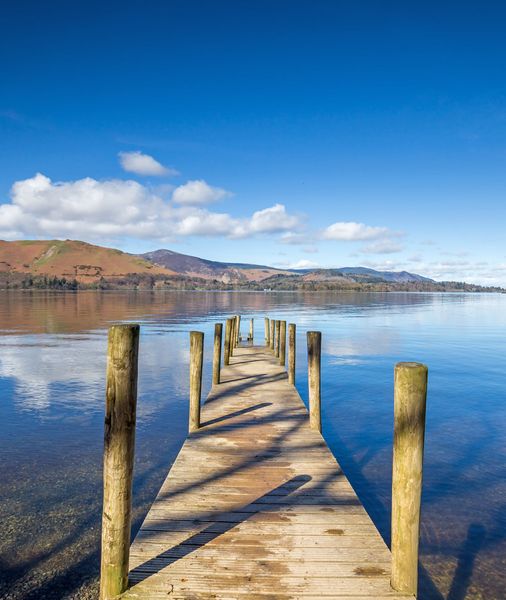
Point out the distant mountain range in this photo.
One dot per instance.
(71, 264)
(193, 266)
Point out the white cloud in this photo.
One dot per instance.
(143, 164)
(82, 208)
(351, 231)
(273, 219)
(204, 222)
(97, 210)
(198, 192)
(199, 221)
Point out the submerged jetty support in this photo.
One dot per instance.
(255, 505)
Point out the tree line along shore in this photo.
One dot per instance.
(134, 281)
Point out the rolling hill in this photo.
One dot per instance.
(192, 266)
(72, 260)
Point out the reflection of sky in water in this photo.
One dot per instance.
(52, 368)
(38, 364)
(57, 376)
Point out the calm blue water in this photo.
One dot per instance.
(52, 367)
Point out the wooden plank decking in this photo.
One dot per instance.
(256, 506)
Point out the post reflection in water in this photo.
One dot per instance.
(52, 374)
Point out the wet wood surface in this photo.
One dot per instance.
(256, 506)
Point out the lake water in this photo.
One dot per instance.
(52, 368)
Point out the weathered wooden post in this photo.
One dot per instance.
(278, 328)
(228, 338)
(218, 330)
(119, 442)
(233, 335)
(272, 332)
(291, 353)
(250, 337)
(196, 360)
(410, 393)
(238, 330)
(314, 348)
(282, 343)
(267, 332)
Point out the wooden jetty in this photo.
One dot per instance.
(256, 505)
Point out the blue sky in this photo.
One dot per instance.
(280, 132)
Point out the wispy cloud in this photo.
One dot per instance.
(350, 231)
(458, 254)
(296, 238)
(479, 272)
(12, 115)
(144, 164)
(304, 264)
(23, 121)
(382, 247)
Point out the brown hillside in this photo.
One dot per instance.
(202, 268)
(72, 259)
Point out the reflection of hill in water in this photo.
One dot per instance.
(68, 312)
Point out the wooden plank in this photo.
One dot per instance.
(225, 585)
(270, 519)
(299, 568)
(302, 528)
(256, 506)
(283, 555)
(275, 540)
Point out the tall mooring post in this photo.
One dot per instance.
(250, 336)
(119, 443)
(278, 329)
(237, 330)
(314, 348)
(282, 343)
(233, 335)
(410, 394)
(218, 330)
(272, 334)
(196, 361)
(291, 353)
(228, 342)
(267, 331)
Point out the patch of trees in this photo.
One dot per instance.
(49, 283)
(16, 281)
